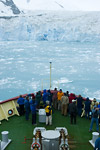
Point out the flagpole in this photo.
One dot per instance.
(50, 74)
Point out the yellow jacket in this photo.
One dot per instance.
(48, 109)
(59, 95)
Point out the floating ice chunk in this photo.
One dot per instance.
(20, 61)
(1, 60)
(62, 80)
(5, 81)
(18, 50)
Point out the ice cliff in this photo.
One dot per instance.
(52, 26)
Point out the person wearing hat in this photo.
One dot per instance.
(73, 111)
(95, 113)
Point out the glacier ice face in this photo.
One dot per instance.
(52, 26)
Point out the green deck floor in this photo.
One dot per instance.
(19, 128)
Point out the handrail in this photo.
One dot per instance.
(14, 98)
(24, 95)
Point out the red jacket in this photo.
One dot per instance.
(71, 97)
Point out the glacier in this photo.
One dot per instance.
(52, 26)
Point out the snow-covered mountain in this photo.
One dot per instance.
(46, 4)
(8, 8)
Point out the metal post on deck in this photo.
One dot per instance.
(50, 74)
(42, 84)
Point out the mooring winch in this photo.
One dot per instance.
(50, 139)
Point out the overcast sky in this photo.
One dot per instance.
(85, 5)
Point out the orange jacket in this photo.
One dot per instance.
(59, 95)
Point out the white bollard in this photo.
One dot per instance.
(5, 136)
(95, 135)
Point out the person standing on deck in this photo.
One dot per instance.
(32, 95)
(20, 101)
(31, 100)
(99, 112)
(67, 93)
(59, 95)
(48, 111)
(79, 105)
(27, 107)
(93, 103)
(33, 110)
(87, 107)
(97, 144)
(49, 97)
(54, 98)
(71, 97)
(38, 98)
(95, 113)
(73, 111)
(45, 97)
(64, 104)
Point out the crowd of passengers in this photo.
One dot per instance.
(58, 100)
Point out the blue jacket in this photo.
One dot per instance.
(45, 96)
(27, 104)
(99, 108)
(49, 96)
(31, 102)
(33, 108)
(20, 101)
(97, 144)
